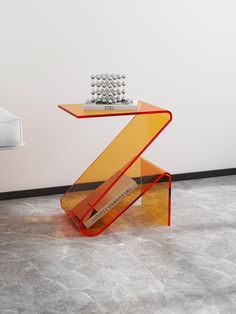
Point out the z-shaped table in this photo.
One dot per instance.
(121, 159)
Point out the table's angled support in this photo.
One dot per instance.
(122, 159)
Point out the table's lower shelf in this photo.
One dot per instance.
(153, 187)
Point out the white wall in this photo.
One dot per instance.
(180, 55)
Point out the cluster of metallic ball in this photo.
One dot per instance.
(108, 88)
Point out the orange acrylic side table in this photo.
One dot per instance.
(122, 157)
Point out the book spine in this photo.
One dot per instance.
(111, 107)
(101, 212)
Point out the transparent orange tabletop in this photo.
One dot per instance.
(77, 111)
(119, 176)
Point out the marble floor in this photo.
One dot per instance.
(46, 266)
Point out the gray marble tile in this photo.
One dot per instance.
(48, 267)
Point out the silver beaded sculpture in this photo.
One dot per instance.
(108, 89)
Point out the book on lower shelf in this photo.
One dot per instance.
(122, 188)
(132, 105)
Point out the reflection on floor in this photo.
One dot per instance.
(46, 266)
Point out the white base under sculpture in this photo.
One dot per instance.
(11, 133)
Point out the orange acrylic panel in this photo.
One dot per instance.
(119, 176)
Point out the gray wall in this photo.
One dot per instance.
(180, 55)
